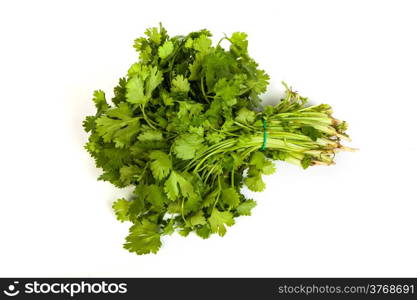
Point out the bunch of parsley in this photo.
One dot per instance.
(186, 128)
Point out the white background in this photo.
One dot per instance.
(357, 218)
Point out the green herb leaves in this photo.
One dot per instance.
(180, 84)
(185, 129)
(166, 49)
(187, 145)
(161, 164)
(219, 220)
(142, 84)
(144, 238)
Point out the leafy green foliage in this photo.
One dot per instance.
(161, 164)
(185, 128)
(166, 49)
(219, 220)
(245, 208)
(121, 208)
(180, 84)
(144, 238)
(186, 146)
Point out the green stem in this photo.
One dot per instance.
(203, 90)
(218, 193)
(145, 117)
(182, 210)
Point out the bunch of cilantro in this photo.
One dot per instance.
(186, 129)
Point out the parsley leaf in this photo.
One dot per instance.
(245, 208)
(121, 208)
(187, 145)
(218, 221)
(161, 164)
(118, 125)
(180, 84)
(144, 238)
(166, 49)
